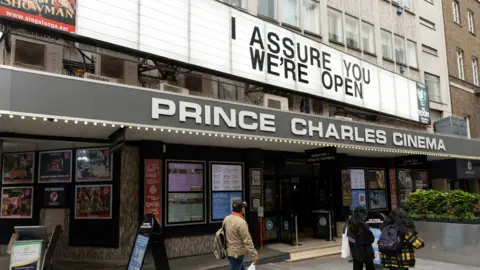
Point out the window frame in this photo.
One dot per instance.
(395, 38)
(243, 4)
(416, 53)
(275, 10)
(408, 8)
(471, 21)
(297, 13)
(456, 11)
(357, 26)
(372, 27)
(475, 78)
(341, 35)
(391, 50)
(22, 53)
(460, 64)
(436, 97)
(318, 15)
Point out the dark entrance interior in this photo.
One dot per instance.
(292, 191)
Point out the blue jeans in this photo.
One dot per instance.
(236, 264)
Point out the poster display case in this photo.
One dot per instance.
(226, 184)
(185, 188)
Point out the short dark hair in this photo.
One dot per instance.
(238, 205)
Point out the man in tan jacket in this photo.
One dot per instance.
(239, 240)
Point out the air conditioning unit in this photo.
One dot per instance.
(34, 54)
(269, 100)
(173, 88)
(101, 78)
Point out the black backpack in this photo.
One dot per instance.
(390, 242)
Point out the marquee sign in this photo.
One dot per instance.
(242, 45)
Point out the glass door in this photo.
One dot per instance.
(271, 220)
(287, 214)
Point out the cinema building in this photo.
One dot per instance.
(176, 112)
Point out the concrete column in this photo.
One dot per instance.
(254, 160)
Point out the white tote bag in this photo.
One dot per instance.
(252, 267)
(346, 254)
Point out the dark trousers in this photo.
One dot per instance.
(236, 264)
(398, 268)
(359, 265)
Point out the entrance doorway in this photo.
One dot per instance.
(287, 208)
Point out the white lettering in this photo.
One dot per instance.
(184, 113)
(411, 140)
(357, 136)
(293, 126)
(156, 111)
(347, 132)
(241, 119)
(441, 145)
(397, 139)
(369, 135)
(267, 122)
(381, 136)
(312, 128)
(218, 113)
(421, 142)
(332, 131)
(208, 115)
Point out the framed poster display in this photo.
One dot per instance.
(93, 202)
(226, 182)
(256, 188)
(377, 190)
(185, 189)
(153, 188)
(18, 168)
(357, 177)
(54, 197)
(405, 185)
(358, 199)
(346, 188)
(420, 179)
(55, 167)
(378, 199)
(17, 202)
(94, 164)
(376, 179)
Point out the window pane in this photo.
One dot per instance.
(368, 37)
(408, 4)
(433, 86)
(311, 16)
(335, 26)
(400, 50)
(461, 73)
(471, 24)
(267, 8)
(386, 44)
(412, 54)
(237, 3)
(351, 30)
(475, 70)
(289, 9)
(29, 53)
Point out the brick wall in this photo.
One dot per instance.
(466, 104)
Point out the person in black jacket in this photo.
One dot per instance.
(360, 240)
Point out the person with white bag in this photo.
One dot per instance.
(360, 240)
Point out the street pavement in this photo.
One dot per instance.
(340, 264)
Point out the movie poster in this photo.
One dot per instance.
(54, 14)
(18, 168)
(55, 167)
(93, 202)
(94, 164)
(17, 202)
(153, 188)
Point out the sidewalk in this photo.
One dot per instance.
(204, 262)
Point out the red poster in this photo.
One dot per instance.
(153, 191)
(393, 188)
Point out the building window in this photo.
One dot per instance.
(429, 50)
(475, 70)
(412, 54)
(433, 85)
(456, 11)
(400, 50)
(237, 3)
(408, 5)
(267, 8)
(352, 32)
(112, 67)
(29, 53)
(396, 2)
(461, 73)
(311, 16)
(387, 49)
(368, 37)
(427, 23)
(471, 22)
(289, 9)
(335, 25)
